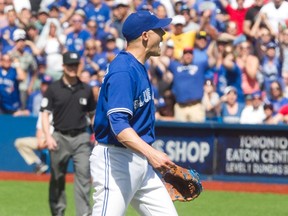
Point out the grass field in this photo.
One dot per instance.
(31, 199)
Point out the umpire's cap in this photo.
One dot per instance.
(71, 58)
(141, 21)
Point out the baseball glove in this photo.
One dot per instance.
(182, 184)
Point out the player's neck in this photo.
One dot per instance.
(138, 52)
(69, 80)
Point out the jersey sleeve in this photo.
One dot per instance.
(120, 93)
(47, 101)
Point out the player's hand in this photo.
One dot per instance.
(51, 143)
(160, 161)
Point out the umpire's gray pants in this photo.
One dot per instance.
(79, 149)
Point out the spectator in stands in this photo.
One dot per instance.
(161, 11)
(201, 57)
(160, 65)
(42, 16)
(32, 33)
(276, 12)
(89, 59)
(282, 115)
(27, 62)
(215, 53)
(120, 12)
(165, 107)
(263, 37)
(251, 17)
(190, 25)
(269, 114)
(51, 45)
(186, 73)
(254, 114)
(110, 49)
(54, 11)
(35, 98)
(75, 41)
(6, 33)
(213, 8)
(210, 101)
(96, 33)
(24, 17)
(275, 96)
(99, 11)
(180, 38)
(283, 39)
(237, 15)
(19, 5)
(205, 24)
(249, 64)
(3, 18)
(270, 66)
(229, 74)
(150, 5)
(285, 84)
(64, 5)
(232, 29)
(230, 109)
(27, 145)
(10, 78)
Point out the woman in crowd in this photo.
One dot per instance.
(50, 45)
(275, 96)
(231, 109)
(249, 64)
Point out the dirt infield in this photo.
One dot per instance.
(208, 185)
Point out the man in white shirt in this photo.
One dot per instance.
(254, 113)
(276, 12)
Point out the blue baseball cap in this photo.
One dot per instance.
(141, 21)
(271, 45)
(46, 79)
(256, 94)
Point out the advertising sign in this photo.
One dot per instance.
(253, 155)
(190, 152)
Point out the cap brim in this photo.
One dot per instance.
(71, 62)
(162, 23)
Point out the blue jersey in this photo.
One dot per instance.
(67, 3)
(75, 42)
(9, 90)
(188, 81)
(231, 118)
(8, 30)
(88, 67)
(231, 77)
(101, 60)
(126, 89)
(101, 15)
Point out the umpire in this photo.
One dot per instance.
(69, 100)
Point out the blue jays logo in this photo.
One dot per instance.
(144, 98)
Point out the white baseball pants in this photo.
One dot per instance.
(122, 177)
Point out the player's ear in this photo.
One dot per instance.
(145, 35)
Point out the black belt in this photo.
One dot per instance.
(72, 133)
(189, 103)
(112, 145)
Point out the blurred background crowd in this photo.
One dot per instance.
(222, 60)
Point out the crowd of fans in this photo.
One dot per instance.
(223, 61)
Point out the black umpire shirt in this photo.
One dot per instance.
(68, 104)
